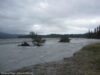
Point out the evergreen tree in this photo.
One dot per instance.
(94, 34)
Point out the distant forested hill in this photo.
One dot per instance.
(7, 35)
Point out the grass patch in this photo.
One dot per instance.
(88, 59)
(92, 48)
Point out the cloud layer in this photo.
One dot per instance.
(49, 16)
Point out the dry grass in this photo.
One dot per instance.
(88, 59)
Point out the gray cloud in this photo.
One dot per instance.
(49, 16)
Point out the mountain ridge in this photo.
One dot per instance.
(4, 35)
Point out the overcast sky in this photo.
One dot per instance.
(49, 16)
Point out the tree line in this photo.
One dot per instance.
(90, 34)
(94, 34)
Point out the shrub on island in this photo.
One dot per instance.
(37, 40)
(64, 39)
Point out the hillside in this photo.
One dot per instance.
(7, 35)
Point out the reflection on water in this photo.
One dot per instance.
(14, 57)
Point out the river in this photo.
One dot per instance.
(14, 57)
